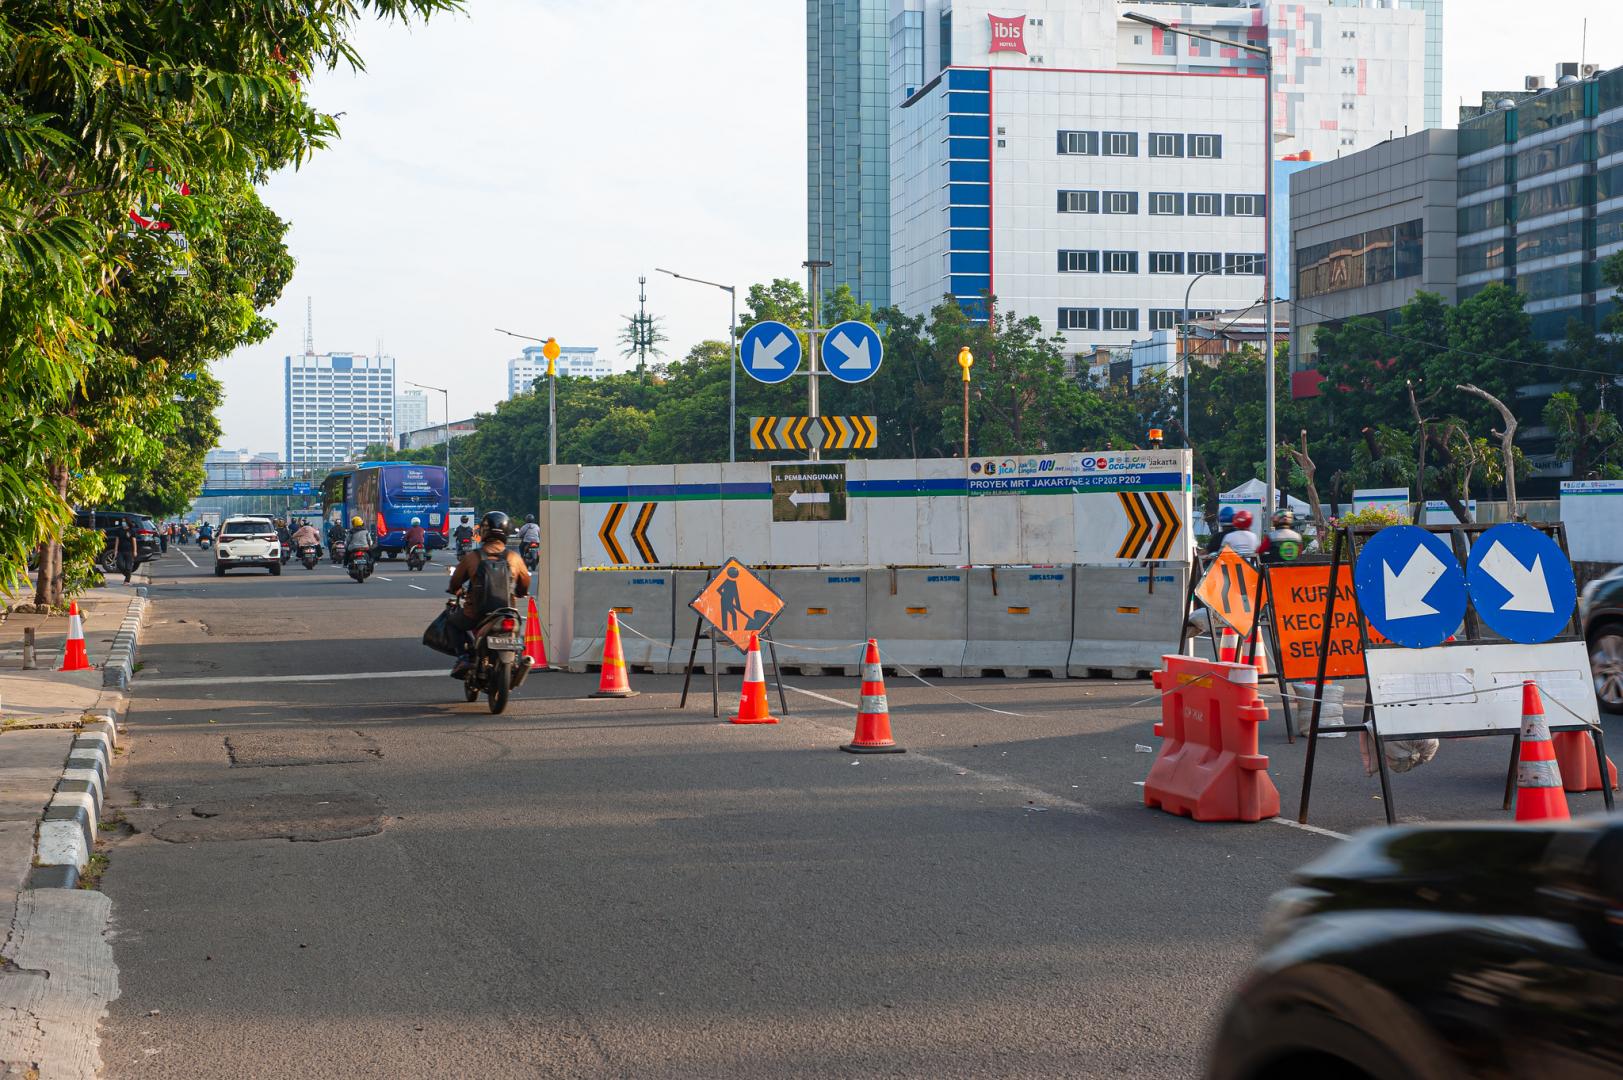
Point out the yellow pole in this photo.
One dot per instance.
(965, 359)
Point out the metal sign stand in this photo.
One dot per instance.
(1347, 543)
(1267, 611)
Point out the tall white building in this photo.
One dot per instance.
(1086, 169)
(410, 411)
(580, 361)
(338, 404)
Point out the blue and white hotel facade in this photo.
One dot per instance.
(1086, 170)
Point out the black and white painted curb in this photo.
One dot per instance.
(119, 667)
(67, 832)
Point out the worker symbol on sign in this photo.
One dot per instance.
(736, 603)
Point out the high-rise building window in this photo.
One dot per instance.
(1206, 146)
(1205, 204)
(1166, 262)
(1121, 318)
(1204, 262)
(1071, 318)
(1165, 146)
(1121, 143)
(1079, 202)
(1079, 142)
(1164, 318)
(1078, 262)
(1121, 262)
(1121, 202)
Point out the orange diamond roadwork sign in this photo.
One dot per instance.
(1230, 589)
(737, 603)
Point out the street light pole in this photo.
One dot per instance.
(732, 357)
(815, 266)
(549, 349)
(1183, 339)
(447, 393)
(1265, 51)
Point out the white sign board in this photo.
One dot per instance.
(1461, 689)
(1394, 499)
(1593, 513)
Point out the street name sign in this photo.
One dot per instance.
(770, 352)
(1521, 583)
(1410, 586)
(852, 351)
(809, 491)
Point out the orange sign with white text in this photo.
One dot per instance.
(1299, 594)
(737, 603)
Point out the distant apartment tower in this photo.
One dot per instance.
(338, 404)
(847, 141)
(410, 411)
(580, 361)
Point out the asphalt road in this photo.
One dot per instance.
(591, 888)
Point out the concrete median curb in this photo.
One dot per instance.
(67, 831)
(119, 667)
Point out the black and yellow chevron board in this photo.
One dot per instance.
(1152, 525)
(803, 433)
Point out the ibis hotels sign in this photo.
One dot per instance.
(1008, 33)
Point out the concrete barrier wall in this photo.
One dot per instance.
(642, 598)
(1019, 620)
(824, 610)
(920, 618)
(1125, 618)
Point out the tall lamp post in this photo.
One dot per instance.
(1265, 51)
(1183, 338)
(447, 393)
(732, 357)
(550, 350)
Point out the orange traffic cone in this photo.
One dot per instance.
(74, 658)
(534, 647)
(753, 707)
(1538, 778)
(613, 681)
(873, 711)
(1575, 754)
(1228, 649)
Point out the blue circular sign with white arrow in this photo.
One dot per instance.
(769, 351)
(1410, 586)
(852, 351)
(1521, 583)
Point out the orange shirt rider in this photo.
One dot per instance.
(467, 568)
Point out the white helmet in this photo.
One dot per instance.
(416, 521)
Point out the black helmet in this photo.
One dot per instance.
(494, 525)
(529, 519)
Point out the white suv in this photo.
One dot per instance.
(247, 541)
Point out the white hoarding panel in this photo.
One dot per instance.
(1593, 513)
(601, 489)
(698, 517)
(746, 513)
(1460, 689)
(1393, 499)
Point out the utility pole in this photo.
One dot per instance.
(812, 335)
(642, 326)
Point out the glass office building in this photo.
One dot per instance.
(848, 144)
(1541, 200)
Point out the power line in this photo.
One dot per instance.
(1451, 348)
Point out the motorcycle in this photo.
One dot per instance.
(463, 547)
(499, 662)
(204, 543)
(287, 552)
(360, 564)
(531, 551)
(337, 550)
(416, 557)
(309, 555)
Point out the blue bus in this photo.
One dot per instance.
(387, 495)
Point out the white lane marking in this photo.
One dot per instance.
(382, 578)
(1310, 828)
(187, 557)
(419, 588)
(339, 677)
(1034, 795)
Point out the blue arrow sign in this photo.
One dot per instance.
(852, 351)
(302, 488)
(1410, 586)
(770, 352)
(1521, 583)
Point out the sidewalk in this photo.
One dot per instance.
(57, 975)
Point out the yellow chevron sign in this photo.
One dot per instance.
(639, 534)
(1152, 525)
(824, 433)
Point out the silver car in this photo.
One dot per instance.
(247, 541)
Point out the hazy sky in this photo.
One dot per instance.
(519, 165)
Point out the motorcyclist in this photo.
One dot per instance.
(1241, 538)
(415, 536)
(528, 533)
(471, 572)
(1225, 525)
(464, 533)
(359, 540)
(306, 536)
(1283, 543)
(205, 532)
(335, 533)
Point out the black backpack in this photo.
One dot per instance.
(493, 584)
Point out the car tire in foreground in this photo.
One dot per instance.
(276, 569)
(1606, 661)
(219, 571)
